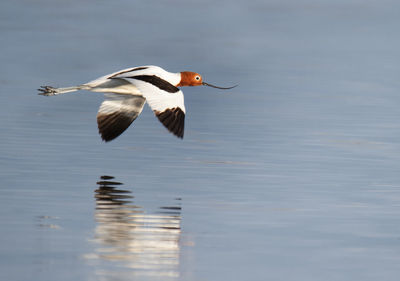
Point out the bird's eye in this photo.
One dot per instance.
(197, 77)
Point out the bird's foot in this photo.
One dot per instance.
(47, 91)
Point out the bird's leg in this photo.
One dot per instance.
(51, 91)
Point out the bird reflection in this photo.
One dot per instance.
(141, 241)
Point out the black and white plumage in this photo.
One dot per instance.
(117, 113)
(127, 91)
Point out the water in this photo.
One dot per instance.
(293, 175)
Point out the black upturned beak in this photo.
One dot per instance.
(223, 88)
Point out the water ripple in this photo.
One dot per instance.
(127, 235)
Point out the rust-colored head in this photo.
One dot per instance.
(189, 78)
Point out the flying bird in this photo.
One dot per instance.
(127, 91)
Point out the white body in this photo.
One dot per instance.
(127, 91)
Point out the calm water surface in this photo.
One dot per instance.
(293, 175)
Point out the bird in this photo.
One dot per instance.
(126, 92)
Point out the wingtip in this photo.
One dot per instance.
(104, 139)
(173, 119)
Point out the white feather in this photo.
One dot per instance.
(159, 100)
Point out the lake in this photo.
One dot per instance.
(292, 175)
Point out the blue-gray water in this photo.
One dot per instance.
(293, 175)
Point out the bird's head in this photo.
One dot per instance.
(189, 78)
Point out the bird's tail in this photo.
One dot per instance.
(51, 91)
